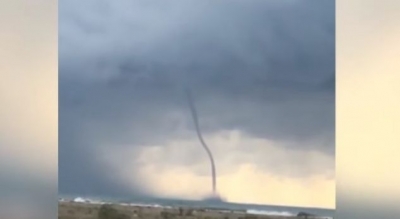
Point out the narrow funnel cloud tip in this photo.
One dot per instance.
(196, 123)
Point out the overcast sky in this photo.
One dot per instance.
(262, 74)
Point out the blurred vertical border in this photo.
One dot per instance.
(29, 109)
(367, 109)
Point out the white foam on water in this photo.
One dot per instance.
(79, 199)
(271, 213)
(148, 205)
(92, 201)
(280, 213)
(84, 200)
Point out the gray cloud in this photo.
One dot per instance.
(27, 197)
(266, 68)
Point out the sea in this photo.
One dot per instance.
(249, 208)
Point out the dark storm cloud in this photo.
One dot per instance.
(264, 67)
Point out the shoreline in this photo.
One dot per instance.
(87, 209)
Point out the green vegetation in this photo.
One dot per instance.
(108, 212)
(167, 215)
(189, 212)
(251, 217)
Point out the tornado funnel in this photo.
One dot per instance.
(198, 131)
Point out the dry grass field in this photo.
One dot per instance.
(73, 210)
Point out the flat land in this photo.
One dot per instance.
(74, 210)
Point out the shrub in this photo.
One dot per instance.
(166, 215)
(189, 212)
(251, 217)
(108, 212)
